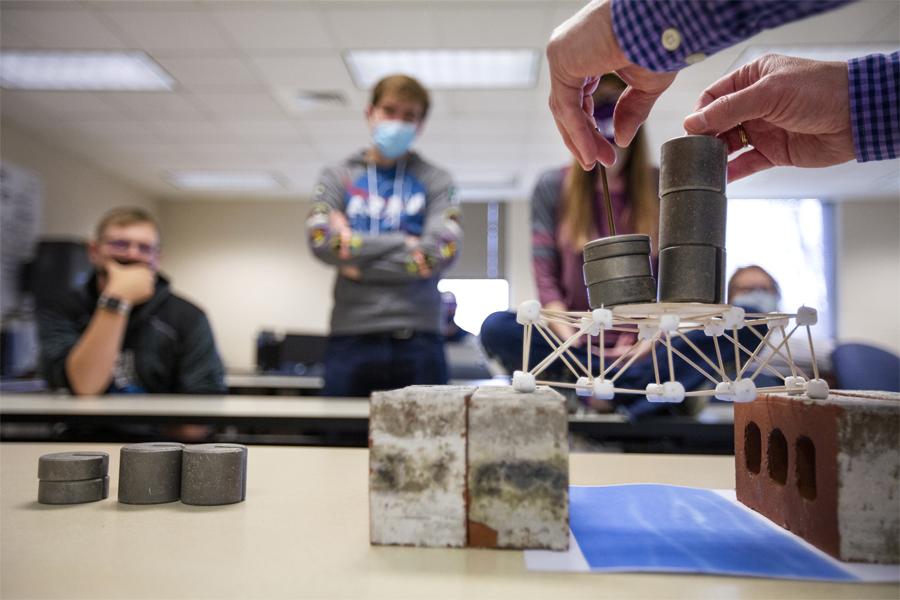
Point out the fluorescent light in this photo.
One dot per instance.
(232, 181)
(842, 52)
(82, 70)
(447, 69)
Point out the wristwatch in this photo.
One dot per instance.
(111, 303)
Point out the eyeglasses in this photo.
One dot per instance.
(123, 246)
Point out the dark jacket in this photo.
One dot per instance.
(168, 346)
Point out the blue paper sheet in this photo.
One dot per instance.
(666, 528)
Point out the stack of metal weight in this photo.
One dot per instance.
(617, 271)
(692, 218)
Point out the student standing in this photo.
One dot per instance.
(388, 220)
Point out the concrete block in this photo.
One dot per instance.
(692, 217)
(150, 473)
(73, 492)
(518, 469)
(692, 162)
(213, 474)
(826, 469)
(73, 466)
(692, 274)
(622, 291)
(417, 466)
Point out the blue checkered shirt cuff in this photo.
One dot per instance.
(874, 105)
(701, 27)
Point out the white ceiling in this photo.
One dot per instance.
(235, 62)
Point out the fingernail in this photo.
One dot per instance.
(695, 121)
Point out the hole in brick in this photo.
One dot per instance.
(806, 468)
(777, 457)
(752, 447)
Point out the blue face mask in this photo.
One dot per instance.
(393, 138)
(757, 300)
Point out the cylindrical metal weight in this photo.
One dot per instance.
(213, 474)
(150, 473)
(693, 162)
(692, 274)
(73, 492)
(692, 217)
(73, 466)
(617, 267)
(617, 245)
(622, 291)
(619, 258)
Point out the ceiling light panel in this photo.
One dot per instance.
(447, 69)
(81, 71)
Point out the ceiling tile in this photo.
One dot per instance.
(509, 27)
(143, 105)
(204, 72)
(168, 30)
(46, 105)
(76, 28)
(323, 72)
(274, 26)
(380, 27)
(240, 105)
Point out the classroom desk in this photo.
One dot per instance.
(338, 421)
(260, 383)
(303, 533)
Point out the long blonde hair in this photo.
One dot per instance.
(580, 191)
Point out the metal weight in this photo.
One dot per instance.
(150, 473)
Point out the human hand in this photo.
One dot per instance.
(337, 222)
(580, 51)
(623, 344)
(351, 272)
(794, 111)
(418, 257)
(134, 283)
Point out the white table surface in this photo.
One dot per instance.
(303, 533)
(186, 405)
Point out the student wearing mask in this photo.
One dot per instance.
(125, 331)
(755, 290)
(388, 220)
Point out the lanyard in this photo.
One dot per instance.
(375, 220)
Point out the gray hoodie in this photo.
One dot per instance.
(414, 199)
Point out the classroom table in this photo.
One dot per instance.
(336, 421)
(303, 533)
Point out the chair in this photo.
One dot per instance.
(864, 367)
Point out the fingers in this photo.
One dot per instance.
(747, 164)
(631, 112)
(725, 112)
(578, 130)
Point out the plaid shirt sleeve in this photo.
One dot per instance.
(668, 35)
(874, 106)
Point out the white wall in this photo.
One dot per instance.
(76, 193)
(868, 272)
(247, 264)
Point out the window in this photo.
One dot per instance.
(792, 240)
(476, 299)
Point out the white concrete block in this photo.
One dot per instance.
(518, 469)
(417, 466)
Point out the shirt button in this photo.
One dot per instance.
(671, 39)
(694, 58)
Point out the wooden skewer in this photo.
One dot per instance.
(609, 214)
